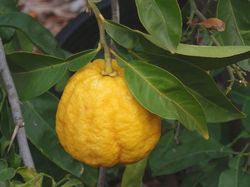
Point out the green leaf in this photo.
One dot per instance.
(163, 94)
(8, 6)
(133, 174)
(3, 164)
(27, 173)
(26, 61)
(212, 57)
(233, 178)
(4, 143)
(40, 36)
(168, 157)
(162, 19)
(30, 177)
(242, 97)
(47, 107)
(236, 19)
(205, 175)
(246, 110)
(6, 121)
(206, 57)
(72, 183)
(34, 74)
(14, 159)
(216, 106)
(6, 174)
(43, 136)
(59, 87)
(6, 34)
(19, 42)
(78, 60)
(240, 94)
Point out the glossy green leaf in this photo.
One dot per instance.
(34, 83)
(26, 61)
(34, 74)
(43, 136)
(168, 157)
(163, 94)
(216, 105)
(40, 36)
(236, 18)
(206, 57)
(162, 20)
(133, 174)
(78, 60)
(217, 55)
(19, 42)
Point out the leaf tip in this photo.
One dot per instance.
(205, 135)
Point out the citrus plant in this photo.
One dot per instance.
(168, 101)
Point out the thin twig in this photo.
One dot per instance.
(241, 74)
(233, 69)
(115, 11)
(196, 10)
(102, 177)
(203, 18)
(16, 110)
(231, 80)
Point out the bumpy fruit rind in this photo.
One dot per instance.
(100, 123)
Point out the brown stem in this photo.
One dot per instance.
(16, 110)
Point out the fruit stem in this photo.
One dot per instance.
(108, 70)
(102, 177)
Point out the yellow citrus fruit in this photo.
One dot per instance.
(100, 123)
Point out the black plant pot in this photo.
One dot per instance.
(82, 32)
